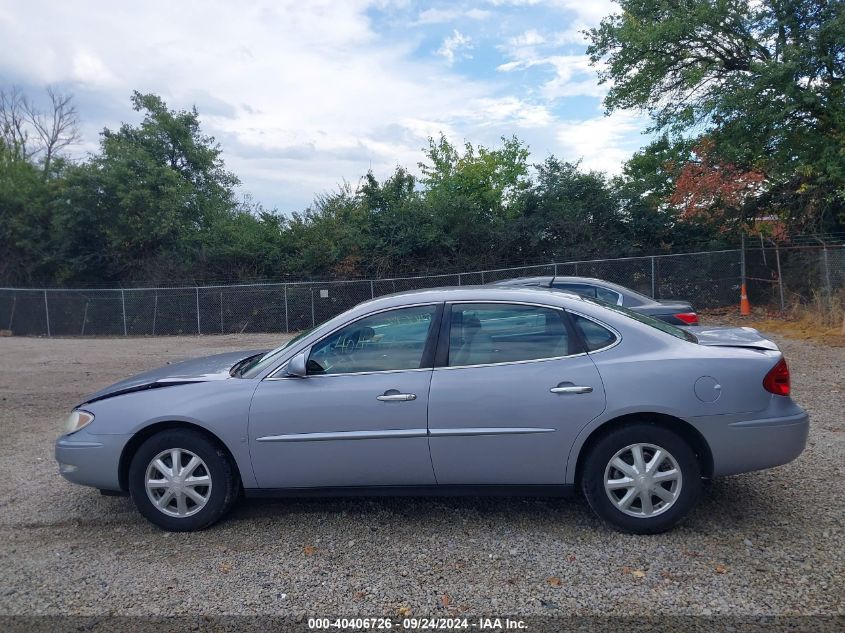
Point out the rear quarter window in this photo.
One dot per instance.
(607, 295)
(595, 336)
(657, 324)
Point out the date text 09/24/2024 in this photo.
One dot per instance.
(417, 624)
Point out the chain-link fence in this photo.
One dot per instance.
(708, 279)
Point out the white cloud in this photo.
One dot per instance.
(587, 11)
(573, 75)
(90, 69)
(477, 14)
(453, 45)
(300, 94)
(514, 111)
(509, 66)
(602, 143)
(439, 16)
(572, 35)
(516, 3)
(530, 37)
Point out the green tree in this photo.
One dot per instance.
(26, 239)
(403, 226)
(647, 182)
(474, 196)
(332, 237)
(764, 80)
(570, 214)
(146, 198)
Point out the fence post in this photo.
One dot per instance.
(555, 273)
(372, 290)
(482, 277)
(12, 312)
(653, 284)
(155, 311)
(780, 279)
(123, 306)
(222, 331)
(313, 319)
(84, 318)
(827, 286)
(199, 331)
(287, 329)
(459, 279)
(47, 312)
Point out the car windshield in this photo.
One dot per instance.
(258, 363)
(648, 320)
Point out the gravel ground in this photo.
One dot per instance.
(763, 543)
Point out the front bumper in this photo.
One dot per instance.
(742, 444)
(91, 460)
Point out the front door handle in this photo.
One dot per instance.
(571, 389)
(395, 396)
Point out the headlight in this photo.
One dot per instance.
(78, 420)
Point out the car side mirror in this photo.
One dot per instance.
(296, 366)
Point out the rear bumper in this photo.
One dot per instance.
(90, 460)
(742, 444)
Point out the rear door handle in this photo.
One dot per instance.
(571, 389)
(394, 396)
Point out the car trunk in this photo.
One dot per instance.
(665, 307)
(732, 337)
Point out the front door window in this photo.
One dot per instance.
(387, 341)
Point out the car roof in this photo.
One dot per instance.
(623, 290)
(570, 279)
(468, 293)
(567, 279)
(592, 280)
(523, 281)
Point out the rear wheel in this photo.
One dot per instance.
(641, 478)
(182, 481)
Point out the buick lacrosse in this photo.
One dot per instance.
(474, 390)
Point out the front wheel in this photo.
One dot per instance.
(641, 478)
(182, 481)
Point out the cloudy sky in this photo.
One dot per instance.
(305, 94)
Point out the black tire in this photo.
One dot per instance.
(596, 463)
(225, 483)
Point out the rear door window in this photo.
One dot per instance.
(485, 333)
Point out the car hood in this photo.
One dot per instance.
(216, 367)
(732, 337)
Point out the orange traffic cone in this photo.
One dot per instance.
(744, 306)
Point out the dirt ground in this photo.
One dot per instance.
(762, 543)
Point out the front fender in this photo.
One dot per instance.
(219, 407)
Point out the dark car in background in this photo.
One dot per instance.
(674, 312)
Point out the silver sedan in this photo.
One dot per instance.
(479, 390)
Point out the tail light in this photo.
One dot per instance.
(690, 318)
(777, 380)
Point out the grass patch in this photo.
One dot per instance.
(819, 321)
